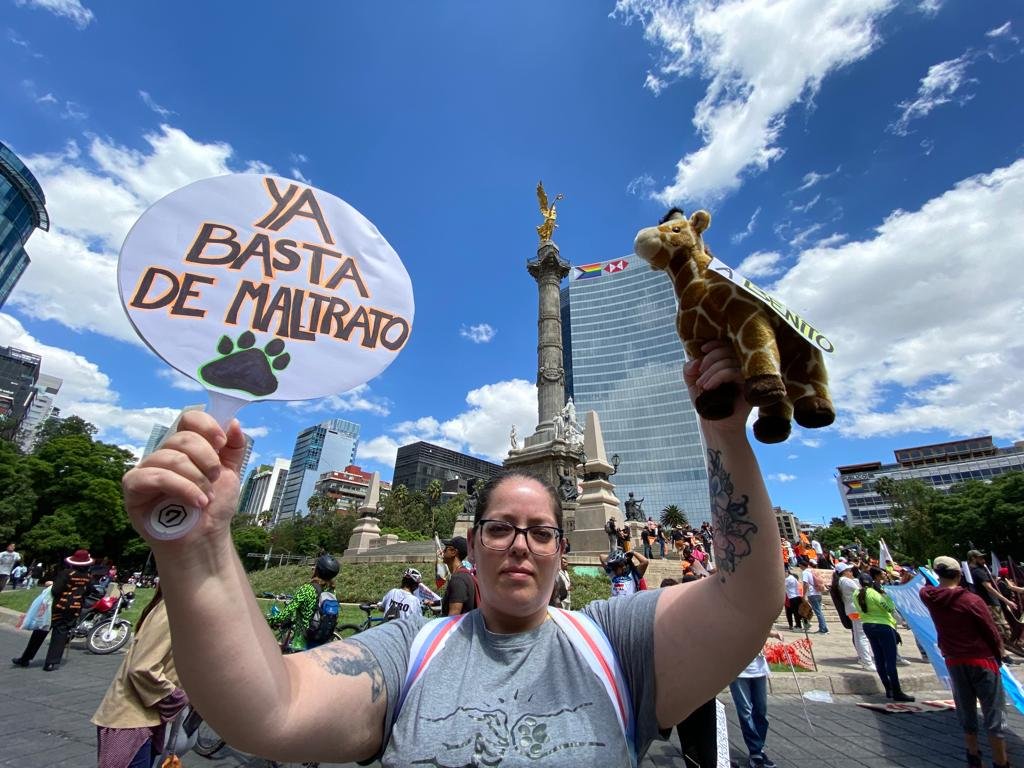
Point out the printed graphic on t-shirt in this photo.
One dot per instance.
(494, 738)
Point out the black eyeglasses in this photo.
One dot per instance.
(499, 535)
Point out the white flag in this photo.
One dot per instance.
(967, 572)
(884, 558)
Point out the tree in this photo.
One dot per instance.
(672, 515)
(320, 502)
(434, 490)
(18, 499)
(250, 538)
(912, 503)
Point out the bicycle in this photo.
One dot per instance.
(343, 631)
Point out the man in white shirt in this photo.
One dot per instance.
(813, 595)
(848, 584)
(750, 695)
(8, 559)
(793, 599)
(404, 602)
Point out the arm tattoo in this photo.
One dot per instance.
(351, 659)
(733, 531)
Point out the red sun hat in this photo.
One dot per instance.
(80, 559)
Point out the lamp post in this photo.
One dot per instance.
(616, 459)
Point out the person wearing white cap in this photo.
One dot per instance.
(972, 646)
(848, 584)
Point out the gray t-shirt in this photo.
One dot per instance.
(517, 700)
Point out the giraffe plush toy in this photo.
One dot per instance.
(784, 375)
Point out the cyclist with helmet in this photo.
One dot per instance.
(626, 570)
(298, 613)
(407, 600)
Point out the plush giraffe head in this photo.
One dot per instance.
(657, 245)
(783, 375)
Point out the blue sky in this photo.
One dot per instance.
(864, 161)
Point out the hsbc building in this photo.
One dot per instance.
(623, 359)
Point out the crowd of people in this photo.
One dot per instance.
(534, 682)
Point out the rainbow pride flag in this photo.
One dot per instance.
(588, 270)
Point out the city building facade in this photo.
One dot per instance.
(329, 445)
(19, 376)
(417, 464)
(22, 211)
(156, 434)
(47, 389)
(348, 487)
(789, 525)
(941, 466)
(262, 492)
(623, 359)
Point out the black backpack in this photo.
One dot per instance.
(325, 618)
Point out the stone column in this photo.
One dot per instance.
(548, 269)
(367, 531)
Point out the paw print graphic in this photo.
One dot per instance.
(244, 366)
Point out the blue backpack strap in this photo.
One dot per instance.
(592, 644)
(425, 647)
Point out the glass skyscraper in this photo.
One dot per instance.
(624, 360)
(22, 210)
(318, 449)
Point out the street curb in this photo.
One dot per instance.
(10, 617)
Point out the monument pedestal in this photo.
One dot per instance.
(598, 503)
(367, 531)
(545, 459)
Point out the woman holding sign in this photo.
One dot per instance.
(572, 691)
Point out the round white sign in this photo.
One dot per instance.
(263, 288)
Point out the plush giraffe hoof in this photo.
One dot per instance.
(717, 403)
(764, 389)
(813, 412)
(771, 429)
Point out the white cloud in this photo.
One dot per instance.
(299, 176)
(86, 390)
(13, 38)
(478, 334)
(929, 7)
(1001, 31)
(925, 315)
(642, 185)
(760, 58)
(93, 199)
(806, 206)
(179, 380)
(803, 235)
(761, 264)
(927, 145)
(813, 177)
(834, 239)
(793, 456)
(149, 102)
(72, 10)
(255, 432)
(357, 399)
(781, 477)
(739, 237)
(481, 430)
(937, 87)
(298, 157)
(46, 98)
(811, 442)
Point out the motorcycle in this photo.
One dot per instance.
(101, 626)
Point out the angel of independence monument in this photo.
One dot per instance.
(560, 448)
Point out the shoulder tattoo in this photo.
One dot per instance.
(351, 660)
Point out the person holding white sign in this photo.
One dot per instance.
(576, 690)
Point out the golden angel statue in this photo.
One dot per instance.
(546, 229)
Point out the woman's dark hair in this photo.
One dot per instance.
(866, 583)
(153, 603)
(668, 583)
(484, 492)
(410, 583)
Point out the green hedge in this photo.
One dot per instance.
(367, 582)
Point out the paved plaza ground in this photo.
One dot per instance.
(44, 721)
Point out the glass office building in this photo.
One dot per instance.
(941, 466)
(22, 211)
(330, 445)
(624, 360)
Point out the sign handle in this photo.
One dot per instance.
(172, 518)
